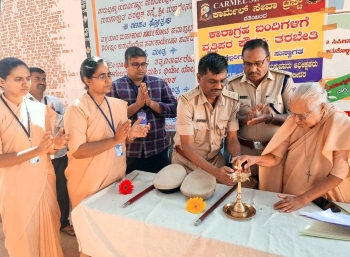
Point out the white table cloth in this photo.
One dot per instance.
(159, 225)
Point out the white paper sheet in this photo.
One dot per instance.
(330, 217)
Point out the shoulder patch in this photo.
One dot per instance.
(237, 76)
(281, 72)
(190, 94)
(231, 94)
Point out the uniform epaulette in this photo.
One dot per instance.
(231, 94)
(282, 72)
(239, 75)
(190, 94)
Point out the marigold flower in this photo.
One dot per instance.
(126, 187)
(195, 205)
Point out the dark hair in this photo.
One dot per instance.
(8, 64)
(133, 52)
(213, 62)
(35, 69)
(256, 43)
(88, 68)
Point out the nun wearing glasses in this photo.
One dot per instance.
(313, 147)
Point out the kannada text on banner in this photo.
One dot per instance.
(296, 37)
(215, 13)
(293, 30)
(338, 88)
(152, 26)
(337, 43)
(302, 69)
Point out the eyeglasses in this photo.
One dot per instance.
(103, 76)
(137, 65)
(302, 116)
(256, 64)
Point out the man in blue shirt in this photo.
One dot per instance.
(149, 97)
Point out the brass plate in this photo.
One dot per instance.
(228, 209)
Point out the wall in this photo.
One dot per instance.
(47, 34)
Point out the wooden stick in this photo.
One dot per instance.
(134, 177)
(139, 195)
(215, 205)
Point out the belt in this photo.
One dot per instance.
(256, 145)
(180, 152)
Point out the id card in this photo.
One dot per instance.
(119, 150)
(34, 160)
(144, 118)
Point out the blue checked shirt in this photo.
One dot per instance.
(155, 142)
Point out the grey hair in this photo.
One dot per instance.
(311, 93)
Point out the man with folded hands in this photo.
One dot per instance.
(264, 96)
(151, 98)
(205, 116)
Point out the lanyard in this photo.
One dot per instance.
(20, 123)
(111, 124)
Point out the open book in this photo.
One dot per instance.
(326, 230)
(329, 224)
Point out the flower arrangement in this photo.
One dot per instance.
(195, 205)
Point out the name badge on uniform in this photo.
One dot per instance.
(119, 150)
(142, 115)
(34, 160)
(243, 97)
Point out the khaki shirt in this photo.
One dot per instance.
(208, 124)
(268, 92)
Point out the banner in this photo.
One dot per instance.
(293, 30)
(337, 43)
(338, 88)
(297, 37)
(160, 28)
(302, 69)
(215, 13)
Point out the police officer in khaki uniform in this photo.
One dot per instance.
(205, 116)
(264, 98)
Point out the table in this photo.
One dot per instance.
(159, 225)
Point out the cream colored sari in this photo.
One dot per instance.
(323, 150)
